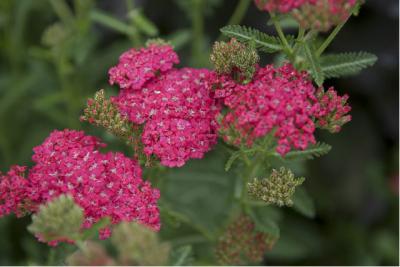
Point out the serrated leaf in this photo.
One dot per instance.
(315, 151)
(182, 256)
(303, 203)
(314, 64)
(337, 65)
(262, 41)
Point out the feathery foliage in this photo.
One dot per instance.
(337, 65)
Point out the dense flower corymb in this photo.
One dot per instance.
(317, 14)
(279, 99)
(104, 185)
(177, 112)
(137, 66)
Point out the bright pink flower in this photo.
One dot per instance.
(279, 99)
(12, 191)
(178, 113)
(137, 66)
(104, 185)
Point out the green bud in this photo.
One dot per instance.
(236, 59)
(59, 219)
(277, 189)
(138, 245)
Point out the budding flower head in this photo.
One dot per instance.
(277, 189)
(157, 41)
(333, 111)
(139, 245)
(241, 244)
(59, 219)
(236, 59)
(93, 255)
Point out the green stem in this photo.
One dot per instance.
(198, 30)
(238, 14)
(287, 47)
(62, 10)
(52, 257)
(330, 38)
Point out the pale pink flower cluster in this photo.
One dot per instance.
(279, 99)
(103, 184)
(285, 6)
(177, 112)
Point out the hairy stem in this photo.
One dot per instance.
(330, 38)
(287, 48)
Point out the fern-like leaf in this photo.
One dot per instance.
(336, 65)
(262, 41)
(312, 152)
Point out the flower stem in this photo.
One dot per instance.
(330, 38)
(288, 48)
(238, 14)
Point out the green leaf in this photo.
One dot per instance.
(262, 41)
(231, 160)
(303, 203)
(266, 220)
(314, 151)
(182, 256)
(142, 22)
(314, 64)
(111, 22)
(337, 65)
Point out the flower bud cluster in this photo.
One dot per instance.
(176, 109)
(103, 185)
(138, 245)
(333, 109)
(277, 189)
(236, 59)
(241, 244)
(58, 220)
(315, 14)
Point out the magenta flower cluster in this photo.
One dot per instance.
(285, 6)
(281, 99)
(175, 107)
(103, 184)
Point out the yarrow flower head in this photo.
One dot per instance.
(242, 244)
(236, 59)
(316, 14)
(137, 66)
(103, 184)
(13, 191)
(177, 111)
(279, 100)
(277, 189)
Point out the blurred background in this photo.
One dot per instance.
(51, 61)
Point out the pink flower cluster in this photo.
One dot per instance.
(318, 14)
(136, 67)
(13, 188)
(104, 185)
(279, 99)
(177, 111)
(285, 6)
(332, 110)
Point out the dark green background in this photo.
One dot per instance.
(355, 187)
